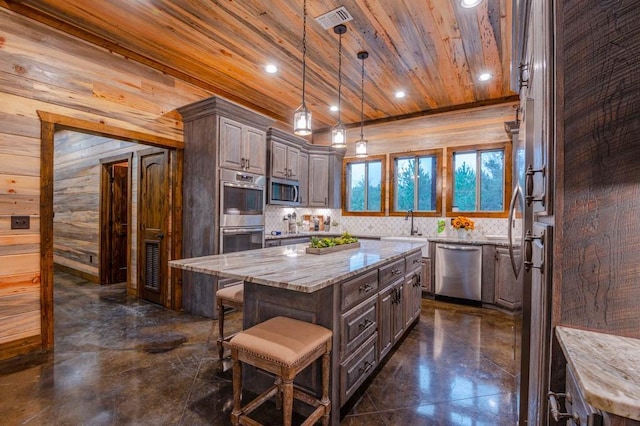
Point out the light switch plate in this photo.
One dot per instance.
(20, 222)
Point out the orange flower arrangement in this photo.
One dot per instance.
(462, 222)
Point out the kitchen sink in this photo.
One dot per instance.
(408, 239)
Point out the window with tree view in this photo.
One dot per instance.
(415, 182)
(479, 180)
(364, 186)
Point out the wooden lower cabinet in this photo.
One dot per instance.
(357, 325)
(412, 294)
(355, 369)
(427, 283)
(508, 288)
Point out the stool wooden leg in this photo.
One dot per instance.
(279, 393)
(287, 401)
(220, 328)
(237, 388)
(326, 359)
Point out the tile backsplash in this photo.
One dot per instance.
(376, 225)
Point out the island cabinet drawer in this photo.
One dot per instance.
(358, 289)
(413, 261)
(583, 414)
(355, 370)
(357, 325)
(391, 272)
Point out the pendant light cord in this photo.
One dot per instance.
(339, 77)
(362, 102)
(304, 48)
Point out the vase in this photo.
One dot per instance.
(463, 234)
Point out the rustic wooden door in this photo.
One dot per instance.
(115, 214)
(153, 215)
(118, 223)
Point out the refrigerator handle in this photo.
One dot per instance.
(512, 205)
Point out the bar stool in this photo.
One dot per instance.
(233, 297)
(284, 347)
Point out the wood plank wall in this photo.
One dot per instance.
(43, 69)
(76, 203)
(599, 163)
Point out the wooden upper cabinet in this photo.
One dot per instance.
(242, 147)
(230, 144)
(256, 151)
(293, 158)
(284, 161)
(318, 180)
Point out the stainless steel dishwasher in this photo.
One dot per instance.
(459, 271)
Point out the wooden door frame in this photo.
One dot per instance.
(105, 197)
(49, 124)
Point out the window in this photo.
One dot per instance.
(480, 179)
(416, 183)
(363, 186)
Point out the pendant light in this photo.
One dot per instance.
(361, 145)
(302, 116)
(339, 132)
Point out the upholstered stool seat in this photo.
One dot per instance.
(232, 296)
(284, 347)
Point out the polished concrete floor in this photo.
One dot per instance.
(119, 361)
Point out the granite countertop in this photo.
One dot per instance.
(474, 240)
(268, 236)
(607, 369)
(292, 268)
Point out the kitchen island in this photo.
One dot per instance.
(368, 296)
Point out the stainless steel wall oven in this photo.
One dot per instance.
(242, 205)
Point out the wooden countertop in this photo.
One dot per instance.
(290, 267)
(607, 369)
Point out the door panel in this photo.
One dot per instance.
(153, 219)
(119, 225)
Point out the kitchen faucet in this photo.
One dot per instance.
(414, 231)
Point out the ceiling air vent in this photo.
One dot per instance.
(335, 17)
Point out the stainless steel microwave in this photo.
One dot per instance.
(284, 192)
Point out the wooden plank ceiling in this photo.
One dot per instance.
(433, 50)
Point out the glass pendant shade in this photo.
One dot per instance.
(302, 121)
(361, 148)
(339, 136)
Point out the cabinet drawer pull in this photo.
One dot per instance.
(367, 367)
(365, 287)
(395, 271)
(367, 322)
(417, 278)
(555, 411)
(417, 261)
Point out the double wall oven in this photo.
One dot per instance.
(242, 204)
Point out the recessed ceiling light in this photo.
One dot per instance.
(485, 76)
(470, 3)
(400, 94)
(271, 69)
(333, 108)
